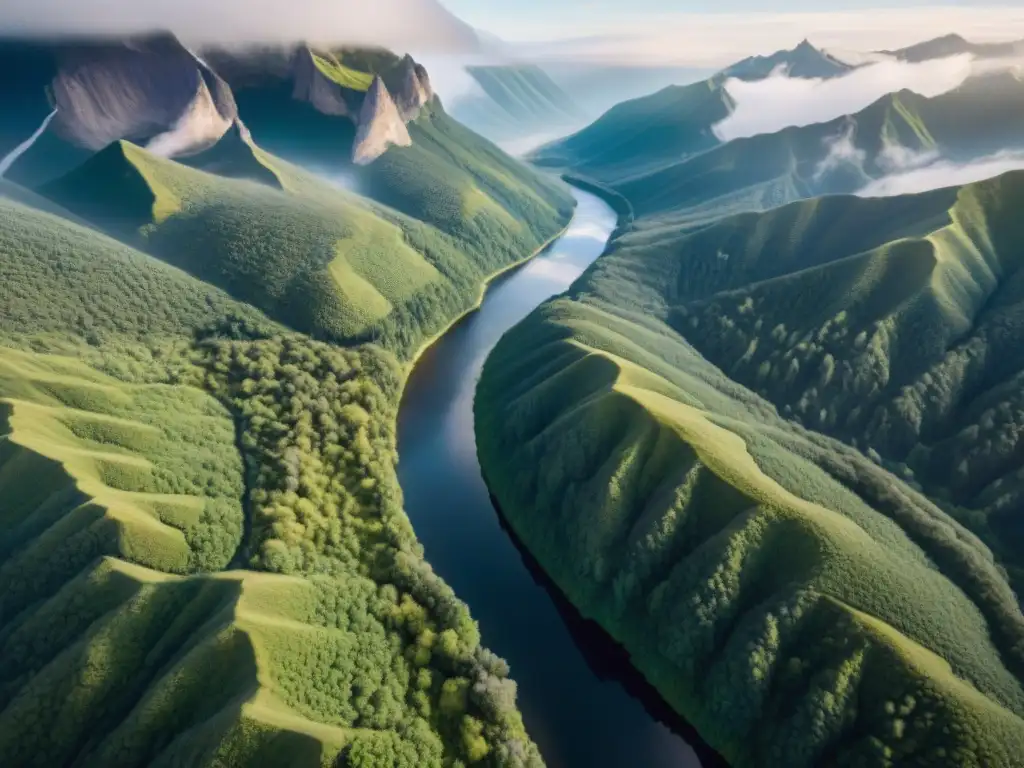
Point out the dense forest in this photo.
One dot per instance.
(778, 460)
(204, 558)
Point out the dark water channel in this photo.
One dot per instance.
(580, 701)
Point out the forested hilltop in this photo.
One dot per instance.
(204, 558)
(770, 440)
(659, 439)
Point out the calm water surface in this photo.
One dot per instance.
(575, 705)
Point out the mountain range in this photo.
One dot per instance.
(217, 267)
(769, 440)
(953, 45)
(679, 122)
(674, 122)
(515, 101)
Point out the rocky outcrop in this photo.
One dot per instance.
(151, 89)
(199, 127)
(314, 87)
(414, 90)
(380, 125)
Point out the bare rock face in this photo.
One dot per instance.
(414, 90)
(143, 90)
(380, 125)
(199, 127)
(312, 86)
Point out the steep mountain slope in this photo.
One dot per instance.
(673, 123)
(317, 259)
(204, 558)
(953, 45)
(516, 101)
(448, 177)
(154, 92)
(800, 603)
(842, 156)
(24, 97)
(150, 90)
(804, 61)
(322, 95)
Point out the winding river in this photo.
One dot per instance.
(572, 682)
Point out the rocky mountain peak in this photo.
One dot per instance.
(380, 125)
(137, 89)
(200, 125)
(414, 90)
(314, 87)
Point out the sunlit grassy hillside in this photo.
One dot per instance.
(663, 439)
(312, 256)
(203, 554)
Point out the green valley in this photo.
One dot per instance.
(204, 557)
(751, 416)
(679, 442)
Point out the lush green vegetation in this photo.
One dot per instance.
(676, 122)
(319, 259)
(347, 77)
(643, 133)
(679, 442)
(662, 153)
(843, 156)
(204, 558)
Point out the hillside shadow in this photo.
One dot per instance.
(607, 659)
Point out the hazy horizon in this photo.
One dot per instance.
(704, 34)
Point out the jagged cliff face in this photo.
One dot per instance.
(380, 125)
(414, 90)
(149, 91)
(315, 88)
(380, 114)
(155, 92)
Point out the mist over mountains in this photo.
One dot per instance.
(407, 25)
(771, 441)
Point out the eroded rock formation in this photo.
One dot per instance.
(380, 125)
(145, 90)
(414, 91)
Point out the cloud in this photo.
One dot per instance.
(630, 36)
(563, 273)
(769, 105)
(894, 157)
(842, 151)
(9, 159)
(523, 145)
(401, 24)
(944, 173)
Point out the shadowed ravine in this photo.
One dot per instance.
(576, 693)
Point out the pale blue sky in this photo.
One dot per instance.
(518, 18)
(710, 31)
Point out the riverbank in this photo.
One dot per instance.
(606, 655)
(484, 286)
(577, 713)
